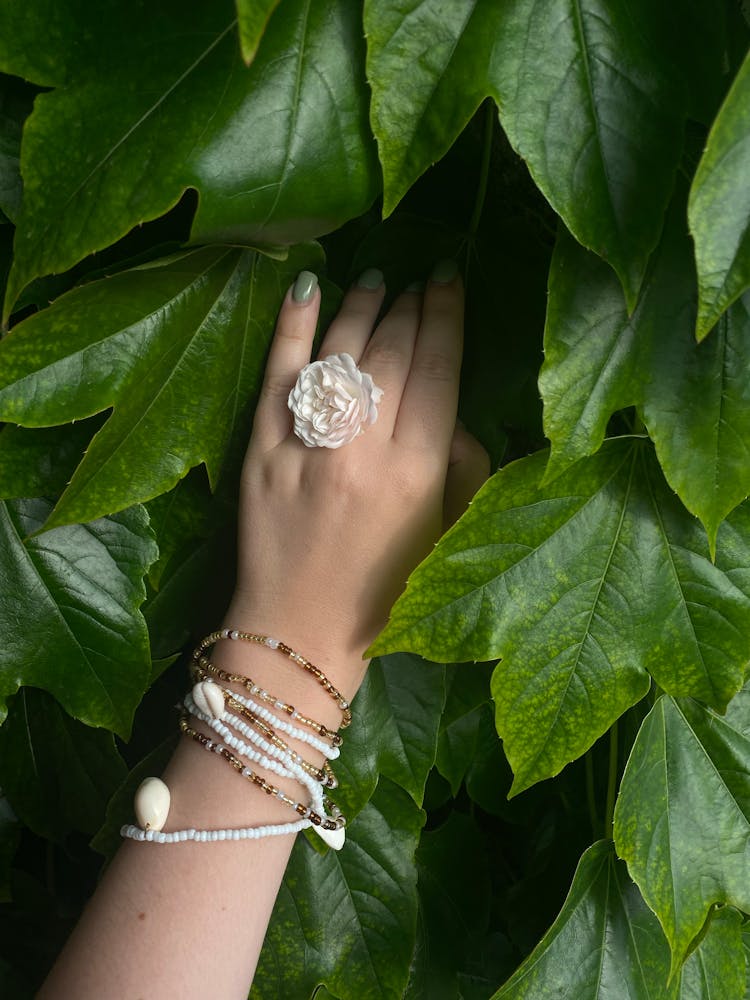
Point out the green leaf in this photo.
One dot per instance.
(454, 893)
(57, 773)
(41, 461)
(394, 732)
(694, 398)
(716, 969)
(16, 99)
(347, 919)
(468, 698)
(177, 347)
(583, 586)
(604, 945)
(278, 152)
(182, 517)
(682, 819)
(719, 209)
(600, 128)
(69, 611)
(252, 18)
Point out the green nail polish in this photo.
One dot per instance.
(304, 287)
(444, 271)
(415, 286)
(370, 279)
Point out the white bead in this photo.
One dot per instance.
(334, 838)
(222, 834)
(209, 699)
(151, 803)
(273, 643)
(234, 634)
(235, 834)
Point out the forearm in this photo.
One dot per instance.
(188, 920)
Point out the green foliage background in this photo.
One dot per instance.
(556, 800)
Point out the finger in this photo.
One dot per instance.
(354, 323)
(290, 351)
(427, 413)
(388, 356)
(468, 469)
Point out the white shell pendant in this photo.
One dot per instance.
(334, 838)
(151, 803)
(209, 699)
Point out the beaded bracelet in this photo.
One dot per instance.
(203, 666)
(266, 640)
(243, 833)
(335, 822)
(324, 775)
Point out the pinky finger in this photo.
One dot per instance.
(468, 469)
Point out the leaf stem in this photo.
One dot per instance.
(484, 170)
(590, 795)
(611, 780)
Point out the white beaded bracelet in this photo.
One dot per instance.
(244, 833)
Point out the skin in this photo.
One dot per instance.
(188, 920)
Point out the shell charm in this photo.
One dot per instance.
(334, 838)
(209, 699)
(151, 803)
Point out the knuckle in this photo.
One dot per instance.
(436, 367)
(387, 355)
(277, 386)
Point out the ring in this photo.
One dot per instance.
(333, 401)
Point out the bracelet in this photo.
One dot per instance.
(210, 703)
(243, 833)
(266, 640)
(203, 666)
(324, 822)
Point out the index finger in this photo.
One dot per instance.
(427, 413)
(290, 350)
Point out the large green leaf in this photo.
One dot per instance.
(40, 461)
(69, 611)
(607, 945)
(583, 586)
(604, 945)
(454, 894)
(682, 820)
(252, 18)
(397, 715)
(600, 127)
(719, 210)
(694, 398)
(57, 773)
(348, 919)
(278, 152)
(177, 347)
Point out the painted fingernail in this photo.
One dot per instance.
(415, 286)
(444, 271)
(370, 279)
(304, 287)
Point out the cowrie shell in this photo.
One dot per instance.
(334, 838)
(209, 699)
(151, 803)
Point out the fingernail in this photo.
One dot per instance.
(444, 271)
(371, 279)
(415, 286)
(304, 287)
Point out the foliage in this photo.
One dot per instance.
(569, 816)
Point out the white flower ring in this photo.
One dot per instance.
(333, 401)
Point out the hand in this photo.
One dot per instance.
(327, 538)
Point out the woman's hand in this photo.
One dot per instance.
(328, 537)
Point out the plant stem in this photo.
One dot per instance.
(611, 780)
(484, 170)
(590, 796)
